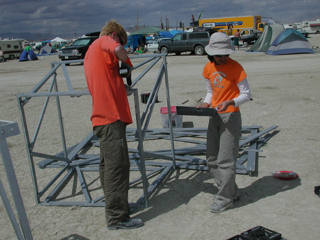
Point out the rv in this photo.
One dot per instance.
(311, 26)
(230, 25)
(11, 49)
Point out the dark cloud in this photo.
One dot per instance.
(74, 16)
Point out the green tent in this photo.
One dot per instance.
(269, 34)
(148, 30)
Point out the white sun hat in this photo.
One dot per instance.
(219, 44)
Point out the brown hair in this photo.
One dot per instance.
(113, 26)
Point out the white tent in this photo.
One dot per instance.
(59, 40)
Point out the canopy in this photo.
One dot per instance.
(148, 30)
(59, 40)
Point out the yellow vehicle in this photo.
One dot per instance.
(230, 25)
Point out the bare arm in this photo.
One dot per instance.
(121, 53)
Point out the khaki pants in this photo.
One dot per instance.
(223, 137)
(114, 170)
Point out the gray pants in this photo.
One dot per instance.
(223, 135)
(114, 170)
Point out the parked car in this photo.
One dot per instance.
(248, 37)
(78, 49)
(186, 41)
(152, 45)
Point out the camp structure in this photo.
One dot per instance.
(269, 34)
(169, 34)
(137, 37)
(27, 55)
(46, 50)
(59, 40)
(148, 30)
(290, 41)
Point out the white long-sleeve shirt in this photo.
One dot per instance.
(243, 97)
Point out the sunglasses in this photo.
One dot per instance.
(220, 56)
(121, 41)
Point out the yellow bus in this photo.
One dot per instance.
(230, 25)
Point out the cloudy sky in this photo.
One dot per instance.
(81, 16)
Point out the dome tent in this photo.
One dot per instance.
(27, 54)
(269, 34)
(290, 41)
(46, 50)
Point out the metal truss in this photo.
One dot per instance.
(80, 161)
(23, 231)
(76, 161)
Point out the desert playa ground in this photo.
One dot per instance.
(285, 91)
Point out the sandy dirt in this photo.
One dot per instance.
(285, 91)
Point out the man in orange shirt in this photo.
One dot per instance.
(227, 88)
(110, 116)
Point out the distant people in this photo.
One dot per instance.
(141, 45)
(230, 27)
(236, 38)
(129, 50)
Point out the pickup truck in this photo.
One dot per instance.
(185, 42)
(79, 48)
(248, 37)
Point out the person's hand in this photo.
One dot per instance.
(203, 105)
(224, 105)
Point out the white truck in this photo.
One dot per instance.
(11, 49)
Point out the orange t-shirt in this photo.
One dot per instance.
(224, 80)
(109, 96)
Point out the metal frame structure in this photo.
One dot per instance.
(153, 167)
(73, 161)
(23, 231)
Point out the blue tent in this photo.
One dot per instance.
(174, 32)
(290, 41)
(165, 34)
(133, 40)
(27, 54)
(169, 34)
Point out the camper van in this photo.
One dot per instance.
(311, 27)
(11, 49)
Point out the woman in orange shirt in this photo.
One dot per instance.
(227, 88)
